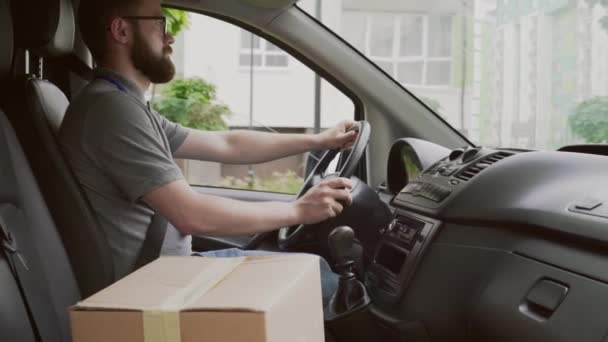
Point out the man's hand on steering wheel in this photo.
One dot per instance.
(341, 136)
(323, 201)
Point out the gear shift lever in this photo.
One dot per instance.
(341, 241)
(351, 293)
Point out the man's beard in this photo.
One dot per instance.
(157, 68)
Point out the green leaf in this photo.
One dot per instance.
(177, 20)
(590, 120)
(192, 103)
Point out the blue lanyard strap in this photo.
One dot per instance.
(114, 82)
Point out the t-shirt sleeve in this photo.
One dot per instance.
(121, 139)
(176, 133)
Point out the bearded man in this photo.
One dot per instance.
(122, 151)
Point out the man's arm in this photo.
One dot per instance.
(193, 213)
(245, 147)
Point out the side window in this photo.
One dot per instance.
(415, 49)
(260, 53)
(228, 78)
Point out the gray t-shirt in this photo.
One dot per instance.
(120, 150)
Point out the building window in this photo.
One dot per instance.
(414, 49)
(258, 52)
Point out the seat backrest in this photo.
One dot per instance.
(14, 324)
(36, 111)
(23, 212)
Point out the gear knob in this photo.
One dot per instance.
(351, 294)
(341, 241)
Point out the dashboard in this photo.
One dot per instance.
(499, 244)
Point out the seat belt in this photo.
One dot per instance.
(155, 236)
(28, 272)
(21, 273)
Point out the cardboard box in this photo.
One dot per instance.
(195, 299)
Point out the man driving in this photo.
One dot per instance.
(122, 152)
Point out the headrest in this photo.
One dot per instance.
(45, 26)
(6, 39)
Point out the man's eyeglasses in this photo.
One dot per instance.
(160, 20)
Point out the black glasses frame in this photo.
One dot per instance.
(138, 17)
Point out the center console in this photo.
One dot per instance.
(400, 250)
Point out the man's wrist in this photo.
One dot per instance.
(293, 213)
(317, 142)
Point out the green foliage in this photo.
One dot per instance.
(288, 182)
(590, 120)
(192, 103)
(177, 20)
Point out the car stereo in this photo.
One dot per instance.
(398, 253)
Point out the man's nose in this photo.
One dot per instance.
(169, 39)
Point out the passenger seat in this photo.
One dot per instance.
(40, 260)
(36, 109)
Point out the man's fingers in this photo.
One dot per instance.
(337, 207)
(349, 139)
(338, 183)
(350, 135)
(348, 124)
(342, 195)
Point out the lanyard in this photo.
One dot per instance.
(119, 86)
(114, 82)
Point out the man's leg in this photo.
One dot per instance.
(329, 280)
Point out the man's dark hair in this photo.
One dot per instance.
(94, 20)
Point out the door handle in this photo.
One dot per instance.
(543, 299)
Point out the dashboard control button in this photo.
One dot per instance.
(429, 191)
(447, 172)
(392, 225)
(408, 235)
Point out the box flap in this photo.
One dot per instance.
(257, 284)
(190, 283)
(166, 282)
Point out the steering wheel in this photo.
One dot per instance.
(290, 236)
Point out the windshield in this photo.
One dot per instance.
(505, 73)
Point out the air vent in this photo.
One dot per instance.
(470, 171)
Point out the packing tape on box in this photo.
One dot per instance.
(162, 324)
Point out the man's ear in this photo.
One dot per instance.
(120, 30)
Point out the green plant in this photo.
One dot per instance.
(590, 120)
(288, 182)
(177, 20)
(191, 102)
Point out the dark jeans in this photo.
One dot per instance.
(329, 280)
